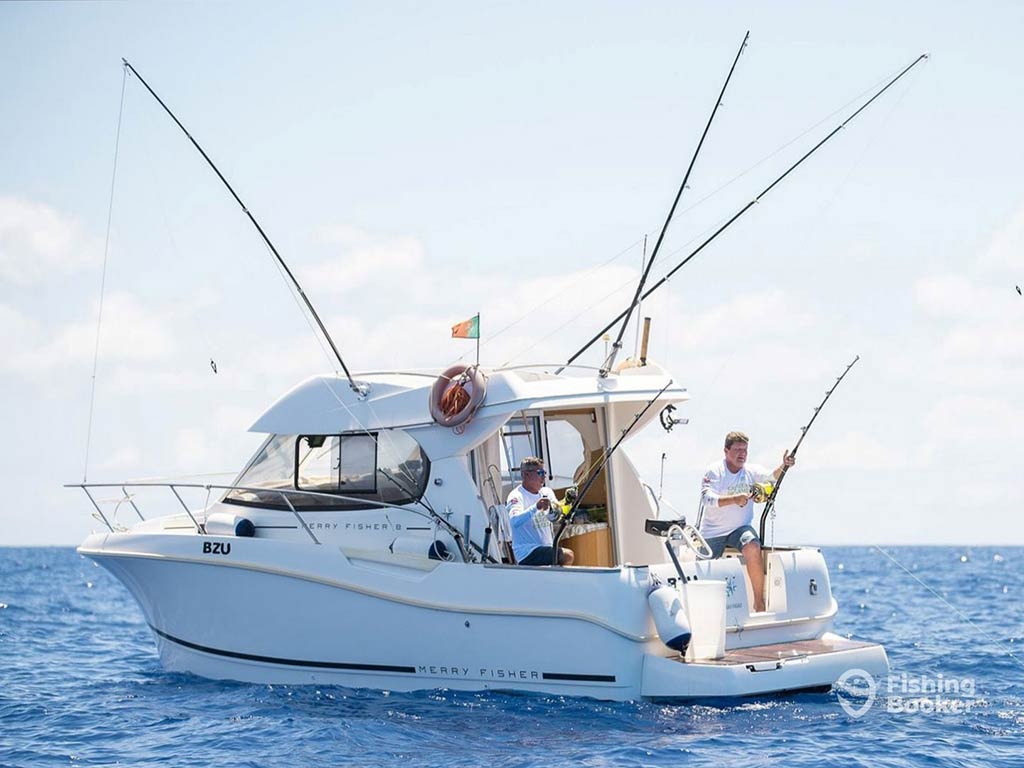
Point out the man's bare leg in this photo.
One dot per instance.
(755, 569)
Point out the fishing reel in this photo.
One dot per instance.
(761, 492)
(562, 510)
(668, 420)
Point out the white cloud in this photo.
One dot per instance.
(364, 258)
(952, 296)
(858, 452)
(981, 425)
(745, 319)
(1006, 250)
(38, 243)
(131, 332)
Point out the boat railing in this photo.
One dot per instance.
(284, 493)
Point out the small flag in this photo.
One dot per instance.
(467, 329)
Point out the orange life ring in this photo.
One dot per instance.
(457, 394)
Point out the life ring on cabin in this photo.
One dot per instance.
(457, 394)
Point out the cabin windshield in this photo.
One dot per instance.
(366, 468)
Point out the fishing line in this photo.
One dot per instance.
(553, 297)
(776, 151)
(949, 605)
(103, 279)
(621, 287)
(158, 188)
(297, 292)
(757, 199)
(252, 219)
(695, 205)
(828, 205)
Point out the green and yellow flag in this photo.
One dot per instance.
(467, 329)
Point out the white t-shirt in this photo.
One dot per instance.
(530, 528)
(719, 481)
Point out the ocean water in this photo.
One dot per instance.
(80, 685)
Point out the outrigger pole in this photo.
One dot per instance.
(358, 389)
(748, 206)
(770, 504)
(610, 361)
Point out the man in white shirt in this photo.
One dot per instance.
(725, 493)
(528, 506)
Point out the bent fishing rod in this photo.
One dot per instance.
(359, 389)
(566, 516)
(610, 361)
(744, 209)
(770, 503)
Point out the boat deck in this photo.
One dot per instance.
(778, 651)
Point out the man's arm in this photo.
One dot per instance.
(518, 515)
(787, 461)
(711, 498)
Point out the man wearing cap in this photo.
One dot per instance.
(725, 493)
(528, 506)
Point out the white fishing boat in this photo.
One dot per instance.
(367, 544)
(363, 546)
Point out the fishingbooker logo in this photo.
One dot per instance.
(857, 691)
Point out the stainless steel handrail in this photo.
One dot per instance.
(283, 492)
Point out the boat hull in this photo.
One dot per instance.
(278, 612)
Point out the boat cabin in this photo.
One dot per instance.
(377, 472)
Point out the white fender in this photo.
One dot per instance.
(670, 618)
(442, 547)
(223, 524)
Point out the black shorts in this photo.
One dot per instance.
(542, 556)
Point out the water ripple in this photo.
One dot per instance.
(82, 686)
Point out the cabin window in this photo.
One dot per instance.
(520, 438)
(273, 465)
(566, 452)
(353, 470)
(336, 463)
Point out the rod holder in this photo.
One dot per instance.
(646, 338)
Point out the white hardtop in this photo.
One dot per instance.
(326, 404)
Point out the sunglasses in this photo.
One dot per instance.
(538, 472)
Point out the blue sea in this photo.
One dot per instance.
(80, 685)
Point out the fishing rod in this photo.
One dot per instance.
(748, 206)
(359, 389)
(770, 503)
(575, 497)
(610, 361)
(464, 543)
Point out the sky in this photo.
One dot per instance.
(416, 163)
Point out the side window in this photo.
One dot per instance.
(353, 471)
(520, 438)
(566, 452)
(336, 463)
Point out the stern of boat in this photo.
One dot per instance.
(766, 669)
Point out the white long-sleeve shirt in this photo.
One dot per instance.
(530, 528)
(718, 482)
